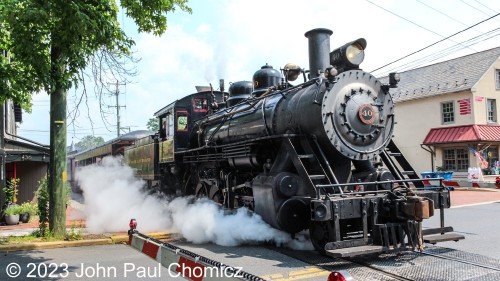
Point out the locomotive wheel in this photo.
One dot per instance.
(321, 233)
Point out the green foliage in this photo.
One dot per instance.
(12, 210)
(440, 168)
(50, 42)
(46, 235)
(150, 15)
(29, 208)
(153, 124)
(88, 142)
(42, 195)
(11, 190)
(74, 233)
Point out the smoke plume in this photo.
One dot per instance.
(113, 196)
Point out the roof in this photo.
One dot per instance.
(466, 133)
(456, 75)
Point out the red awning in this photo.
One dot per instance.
(465, 133)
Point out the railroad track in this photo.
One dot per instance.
(435, 263)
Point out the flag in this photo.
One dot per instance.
(464, 106)
(484, 162)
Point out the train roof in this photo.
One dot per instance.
(172, 104)
(105, 148)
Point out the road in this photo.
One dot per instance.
(478, 222)
(113, 262)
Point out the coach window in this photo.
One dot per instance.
(182, 121)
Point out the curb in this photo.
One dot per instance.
(113, 239)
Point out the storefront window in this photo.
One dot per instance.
(456, 159)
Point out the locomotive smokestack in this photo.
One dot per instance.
(319, 50)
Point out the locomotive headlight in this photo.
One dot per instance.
(355, 54)
(349, 56)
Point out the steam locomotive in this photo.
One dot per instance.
(317, 155)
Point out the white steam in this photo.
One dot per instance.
(113, 196)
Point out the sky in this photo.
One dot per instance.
(231, 39)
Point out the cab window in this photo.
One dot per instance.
(200, 105)
(182, 121)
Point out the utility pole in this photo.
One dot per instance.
(117, 93)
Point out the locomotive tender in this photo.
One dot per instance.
(318, 155)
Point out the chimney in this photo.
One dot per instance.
(319, 50)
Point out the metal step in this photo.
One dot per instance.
(408, 172)
(433, 239)
(355, 251)
(430, 231)
(316, 177)
(302, 156)
(394, 154)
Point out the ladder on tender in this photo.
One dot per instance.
(390, 155)
(312, 166)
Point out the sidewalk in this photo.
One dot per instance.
(74, 216)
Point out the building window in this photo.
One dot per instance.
(497, 78)
(492, 110)
(456, 159)
(491, 155)
(448, 112)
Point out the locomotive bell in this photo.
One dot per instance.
(292, 71)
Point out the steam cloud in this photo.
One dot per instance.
(113, 196)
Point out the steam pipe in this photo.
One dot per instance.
(319, 50)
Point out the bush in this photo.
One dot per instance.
(29, 208)
(12, 210)
(11, 190)
(42, 195)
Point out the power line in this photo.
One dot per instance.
(481, 11)
(436, 42)
(438, 11)
(445, 52)
(485, 6)
(405, 19)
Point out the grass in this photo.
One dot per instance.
(72, 234)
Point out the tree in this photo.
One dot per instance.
(49, 44)
(153, 125)
(89, 141)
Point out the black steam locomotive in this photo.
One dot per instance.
(318, 155)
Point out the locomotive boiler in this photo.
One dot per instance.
(317, 155)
